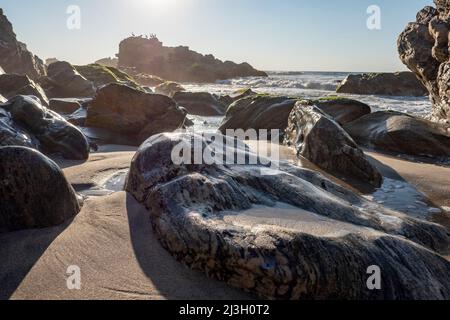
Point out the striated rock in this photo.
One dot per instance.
(26, 203)
(14, 55)
(390, 84)
(169, 88)
(318, 138)
(200, 103)
(400, 133)
(149, 56)
(64, 81)
(100, 75)
(12, 85)
(293, 235)
(258, 112)
(342, 110)
(28, 123)
(133, 113)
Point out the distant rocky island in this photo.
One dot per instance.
(149, 55)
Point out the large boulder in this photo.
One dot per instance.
(258, 112)
(27, 122)
(423, 48)
(33, 191)
(169, 88)
(318, 138)
(200, 103)
(14, 55)
(133, 113)
(101, 75)
(400, 133)
(64, 81)
(392, 84)
(292, 235)
(12, 85)
(342, 110)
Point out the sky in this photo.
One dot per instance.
(287, 35)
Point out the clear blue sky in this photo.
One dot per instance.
(270, 34)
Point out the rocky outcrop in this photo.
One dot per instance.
(200, 103)
(26, 202)
(133, 113)
(143, 79)
(391, 84)
(400, 133)
(169, 88)
(318, 138)
(148, 55)
(14, 55)
(25, 122)
(293, 235)
(12, 85)
(342, 110)
(423, 48)
(258, 112)
(64, 81)
(100, 75)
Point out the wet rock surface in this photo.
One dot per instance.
(25, 203)
(24, 121)
(318, 138)
(133, 113)
(400, 133)
(200, 103)
(342, 110)
(293, 234)
(12, 85)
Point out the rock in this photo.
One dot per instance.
(29, 120)
(240, 94)
(100, 75)
(78, 118)
(14, 55)
(318, 138)
(200, 103)
(400, 133)
(390, 84)
(188, 123)
(49, 61)
(143, 79)
(342, 110)
(258, 112)
(108, 62)
(64, 81)
(169, 88)
(2, 99)
(64, 106)
(12, 85)
(1, 71)
(293, 235)
(33, 191)
(136, 114)
(149, 56)
(12, 135)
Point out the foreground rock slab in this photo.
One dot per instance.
(289, 235)
(26, 203)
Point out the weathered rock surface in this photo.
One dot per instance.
(133, 113)
(318, 138)
(27, 123)
(26, 203)
(291, 235)
(342, 110)
(12, 85)
(200, 103)
(400, 133)
(100, 75)
(169, 88)
(423, 48)
(148, 55)
(14, 55)
(392, 84)
(258, 112)
(64, 81)
(64, 105)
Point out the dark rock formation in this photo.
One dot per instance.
(133, 113)
(400, 133)
(258, 112)
(293, 235)
(200, 103)
(342, 110)
(318, 138)
(391, 84)
(100, 75)
(64, 81)
(64, 105)
(33, 191)
(26, 122)
(143, 79)
(178, 64)
(12, 85)
(108, 62)
(169, 88)
(14, 55)
(423, 48)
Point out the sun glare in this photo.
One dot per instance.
(159, 5)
